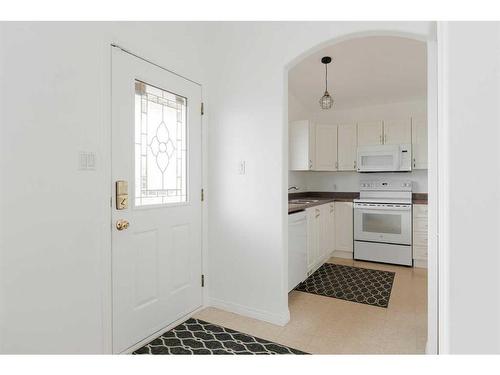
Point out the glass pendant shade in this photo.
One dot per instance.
(326, 101)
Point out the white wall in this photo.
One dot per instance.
(349, 181)
(470, 179)
(297, 111)
(54, 219)
(248, 121)
(390, 111)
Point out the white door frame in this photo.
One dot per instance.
(437, 131)
(106, 260)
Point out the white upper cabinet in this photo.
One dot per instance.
(397, 132)
(370, 133)
(347, 147)
(301, 146)
(419, 142)
(326, 148)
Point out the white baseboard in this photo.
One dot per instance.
(419, 263)
(278, 319)
(342, 254)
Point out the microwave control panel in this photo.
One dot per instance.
(405, 151)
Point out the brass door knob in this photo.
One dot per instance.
(122, 224)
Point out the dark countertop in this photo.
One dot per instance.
(323, 197)
(419, 198)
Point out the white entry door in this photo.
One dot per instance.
(156, 208)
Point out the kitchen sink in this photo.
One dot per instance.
(303, 201)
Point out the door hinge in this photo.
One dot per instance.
(202, 108)
(202, 281)
(202, 195)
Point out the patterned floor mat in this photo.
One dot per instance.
(196, 336)
(362, 285)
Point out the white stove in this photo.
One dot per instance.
(383, 222)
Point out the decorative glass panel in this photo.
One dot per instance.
(160, 146)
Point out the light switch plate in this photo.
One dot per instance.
(86, 161)
(242, 167)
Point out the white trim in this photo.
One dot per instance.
(204, 203)
(433, 185)
(278, 319)
(106, 247)
(157, 334)
(284, 197)
(443, 189)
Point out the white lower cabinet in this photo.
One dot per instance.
(313, 223)
(331, 228)
(297, 249)
(320, 226)
(344, 235)
(420, 235)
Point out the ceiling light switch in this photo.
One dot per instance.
(242, 167)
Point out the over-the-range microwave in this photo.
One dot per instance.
(384, 158)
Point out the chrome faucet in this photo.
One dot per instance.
(293, 188)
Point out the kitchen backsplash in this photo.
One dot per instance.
(349, 181)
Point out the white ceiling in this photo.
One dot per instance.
(364, 71)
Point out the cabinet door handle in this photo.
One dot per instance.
(310, 164)
(336, 165)
(355, 164)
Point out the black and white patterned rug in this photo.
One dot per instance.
(196, 336)
(362, 285)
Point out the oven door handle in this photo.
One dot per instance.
(383, 208)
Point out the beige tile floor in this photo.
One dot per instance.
(324, 325)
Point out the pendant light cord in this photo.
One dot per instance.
(326, 77)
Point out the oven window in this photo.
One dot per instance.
(381, 223)
(377, 160)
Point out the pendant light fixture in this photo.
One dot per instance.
(326, 100)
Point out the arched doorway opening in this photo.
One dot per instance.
(318, 179)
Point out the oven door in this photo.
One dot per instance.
(378, 222)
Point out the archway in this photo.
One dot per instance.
(432, 95)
